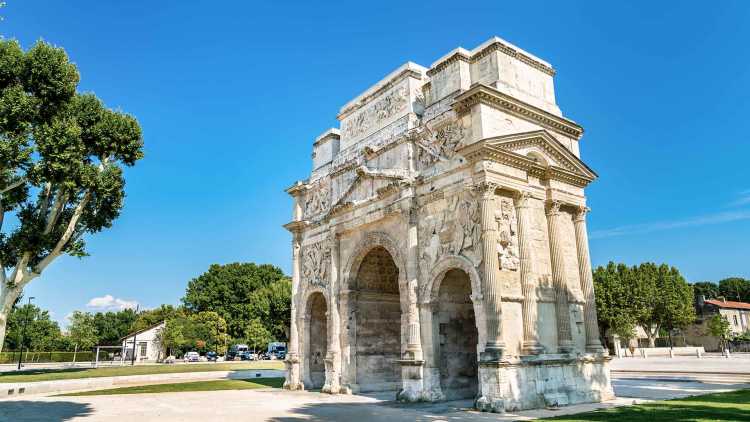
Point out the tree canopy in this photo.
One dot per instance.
(61, 159)
(41, 332)
(654, 297)
(241, 292)
(732, 288)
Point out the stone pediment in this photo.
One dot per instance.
(538, 152)
(358, 192)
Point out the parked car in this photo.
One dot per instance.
(234, 351)
(192, 357)
(247, 355)
(212, 356)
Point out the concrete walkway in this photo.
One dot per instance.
(284, 406)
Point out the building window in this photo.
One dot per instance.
(142, 345)
(735, 320)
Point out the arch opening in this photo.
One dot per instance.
(317, 346)
(378, 322)
(458, 337)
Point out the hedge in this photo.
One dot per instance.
(44, 357)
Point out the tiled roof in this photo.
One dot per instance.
(729, 304)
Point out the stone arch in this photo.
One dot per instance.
(369, 242)
(377, 313)
(315, 325)
(432, 335)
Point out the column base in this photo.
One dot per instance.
(292, 379)
(412, 381)
(332, 384)
(565, 346)
(532, 348)
(595, 348)
(491, 381)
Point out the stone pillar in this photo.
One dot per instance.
(412, 363)
(562, 309)
(348, 341)
(531, 345)
(333, 354)
(414, 341)
(593, 344)
(292, 362)
(495, 345)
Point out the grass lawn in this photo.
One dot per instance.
(188, 386)
(74, 373)
(733, 406)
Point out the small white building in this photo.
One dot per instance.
(147, 346)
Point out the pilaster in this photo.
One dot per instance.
(495, 345)
(531, 345)
(333, 354)
(292, 362)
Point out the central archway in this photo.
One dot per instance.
(378, 322)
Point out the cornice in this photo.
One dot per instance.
(512, 52)
(297, 226)
(457, 56)
(297, 188)
(483, 94)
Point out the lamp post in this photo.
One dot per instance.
(23, 331)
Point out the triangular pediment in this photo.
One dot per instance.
(358, 192)
(537, 149)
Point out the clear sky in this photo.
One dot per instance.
(231, 95)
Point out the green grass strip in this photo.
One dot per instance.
(77, 373)
(732, 406)
(217, 385)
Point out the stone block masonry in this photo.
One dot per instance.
(439, 244)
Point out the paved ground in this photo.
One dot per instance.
(283, 406)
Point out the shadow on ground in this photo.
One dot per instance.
(51, 411)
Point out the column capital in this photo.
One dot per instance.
(553, 207)
(485, 188)
(580, 213)
(522, 199)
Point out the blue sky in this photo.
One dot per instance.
(231, 95)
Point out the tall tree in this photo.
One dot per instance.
(112, 326)
(256, 335)
(706, 288)
(236, 292)
(82, 330)
(735, 288)
(40, 332)
(61, 159)
(150, 317)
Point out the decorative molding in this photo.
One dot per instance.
(483, 94)
(316, 263)
(383, 109)
(512, 52)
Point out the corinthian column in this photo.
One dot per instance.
(531, 344)
(333, 355)
(414, 340)
(562, 309)
(495, 346)
(593, 344)
(292, 381)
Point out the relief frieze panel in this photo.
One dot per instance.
(438, 144)
(393, 103)
(318, 199)
(316, 261)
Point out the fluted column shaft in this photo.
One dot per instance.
(333, 355)
(593, 344)
(414, 339)
(529, 306)
(292, 381)
(491, 286)
(559, 279)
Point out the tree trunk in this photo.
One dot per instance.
(8, 296)
(651, 340)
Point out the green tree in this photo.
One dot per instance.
(150, 317)
(112, 326)
(706, 288)
(256, 335)
(41, 332)
(735, 288)
(82, 330)
(61, 159)
(718, 326)
(237, 293)
(617, 302)
(210, 330)
(172, 336)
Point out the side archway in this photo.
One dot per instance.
(314, 326)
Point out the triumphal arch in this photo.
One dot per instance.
(440, 246)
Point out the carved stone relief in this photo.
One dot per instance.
(507, 237)
(318, 199)
(316, 261)
(439, 144)
(453, 229)
(373, 116)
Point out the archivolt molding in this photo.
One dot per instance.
(372, 240)
(430, 290)
(305, 298)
